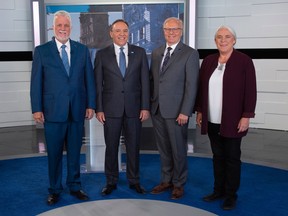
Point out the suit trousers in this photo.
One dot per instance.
(226, 161)
(58, 134)
(131, 129)
(171, 141)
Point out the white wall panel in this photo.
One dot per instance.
(7, 22)
(15, 25)
(14, 86)
(272, 7)
(261, 43)
(282, 74)
(7, 5)
(16, 119)
(269, 97)
(25, 25)
(278, 86)
(12, 76)
(16, 46)
(272, 107)
(23, 35)
(255, 2)
(16, 67)
(274, 122)
(15, 106)
(258, 120)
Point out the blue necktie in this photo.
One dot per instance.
(65, 58)
(122, 61)
(166, 59)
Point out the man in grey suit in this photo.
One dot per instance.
(123, 102)
(174, 70)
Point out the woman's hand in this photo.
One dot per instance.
(199, 119)
(243, 124)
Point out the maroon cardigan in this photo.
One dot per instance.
(239, 92)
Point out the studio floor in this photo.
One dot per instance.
(260, 146)
(268, 148)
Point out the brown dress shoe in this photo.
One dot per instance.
(177, 192)
(161, 188)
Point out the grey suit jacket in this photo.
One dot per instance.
(174, 90)
(117, 94)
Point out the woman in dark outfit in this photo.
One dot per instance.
(225, 103)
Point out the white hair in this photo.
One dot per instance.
(62, 13)
(231, 30)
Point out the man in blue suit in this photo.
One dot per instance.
(63, 94)
(122, 102)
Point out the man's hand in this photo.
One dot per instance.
(182, 119)
(39, 117)
(89, 114)
(101, 117)
(144, 115)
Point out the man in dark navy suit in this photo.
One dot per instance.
(122, 102)
(63, 94)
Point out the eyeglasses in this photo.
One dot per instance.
(172, 29)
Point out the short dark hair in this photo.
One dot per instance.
(118, 20)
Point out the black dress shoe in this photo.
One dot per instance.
(137, 188)
(52, 199)
(229, 203)
(212, 197)
(108, 189)
(80, 194)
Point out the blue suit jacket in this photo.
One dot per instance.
(55, 93)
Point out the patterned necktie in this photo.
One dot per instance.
(122, 61)
(65, 58)
(166, 59)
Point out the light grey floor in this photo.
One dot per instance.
(260, 146)
(132, 207)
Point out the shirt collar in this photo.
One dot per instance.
(172, 46)
(59, 44)
(117, 47)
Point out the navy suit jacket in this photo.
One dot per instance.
(115, 93)
(55, 93)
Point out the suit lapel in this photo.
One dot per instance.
(113, 59)
(174, 55)
(131, 57)
(54, 49)
(160, 56)
(73, 56)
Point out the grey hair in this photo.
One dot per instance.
(62, 13)
(231, 30)
(179, 21)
